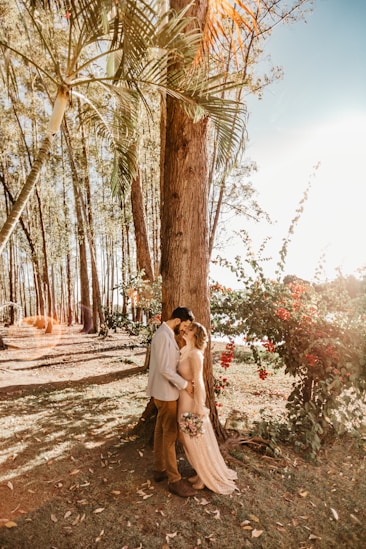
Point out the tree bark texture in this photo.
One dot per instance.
(139, 221)
(184, 218)
(86, 312)
(97, 310)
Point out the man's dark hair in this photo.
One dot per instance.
(183, 313)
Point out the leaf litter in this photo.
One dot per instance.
(45, 494)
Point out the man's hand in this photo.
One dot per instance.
(190, 388)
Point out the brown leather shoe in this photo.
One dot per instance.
(181, 488)
(160, 475)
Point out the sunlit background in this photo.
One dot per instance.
(315, 114)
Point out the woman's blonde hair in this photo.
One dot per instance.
(200, 335)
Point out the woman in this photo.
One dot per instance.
(202, 451)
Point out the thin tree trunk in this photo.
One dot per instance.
(68, 283)
(97, 309)
(86, 313)
(142, 242)
(46, 279)
(11, 283)
(40, 305)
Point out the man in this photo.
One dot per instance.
(164, 385)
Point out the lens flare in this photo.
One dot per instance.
(28, 340)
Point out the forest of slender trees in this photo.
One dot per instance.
(122, 137)
(108, 184)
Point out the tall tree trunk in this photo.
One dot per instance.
(68, 283)
(184, 218)
(86, 313)
(40, 304)
(46, 279)
(12, 297)
(97, 309)
(142, 242)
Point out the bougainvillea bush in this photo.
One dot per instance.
(317, 334)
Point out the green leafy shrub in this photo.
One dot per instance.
(317, 333)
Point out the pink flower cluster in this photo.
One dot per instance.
(191, 424)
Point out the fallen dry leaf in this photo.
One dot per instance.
(202, 501)
(353, 517)
(67, 514)
(254, 518)
(53, 518)
(10, 485)
(75, 472)
(313, 536)
(257, 533)
(76, 520)
(10, 524)
(99, 537)
(334, 513)
(99, 510)
(216, 514)
(83, 502)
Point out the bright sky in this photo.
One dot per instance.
(315, 114)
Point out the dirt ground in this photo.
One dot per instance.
(73, 477)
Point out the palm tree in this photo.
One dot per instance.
(103, 43)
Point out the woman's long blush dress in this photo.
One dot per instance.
(202, 451)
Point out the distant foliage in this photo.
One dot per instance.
(142, 314)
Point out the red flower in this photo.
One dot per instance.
(68, 15)
(331, 351)
(307, 318)
(269, 346)
(227, 355)
(283, 313)
(312, 359)
(262, 373)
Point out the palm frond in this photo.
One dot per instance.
(240, 14)
(116, 124)
(29, 60)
